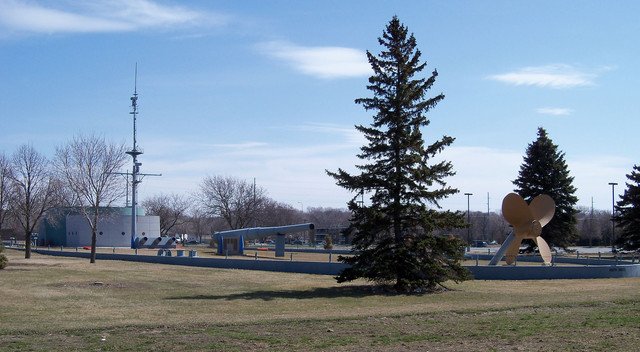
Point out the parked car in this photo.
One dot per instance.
(480, 244)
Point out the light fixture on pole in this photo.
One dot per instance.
(613, 214)
(468, 218)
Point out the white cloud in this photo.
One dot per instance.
(558, 76)
(245, 145)
(97, 16)
(323, 62)
(554, 111)
(352, 136)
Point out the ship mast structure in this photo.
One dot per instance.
(136, 176)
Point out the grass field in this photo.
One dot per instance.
(66, 304)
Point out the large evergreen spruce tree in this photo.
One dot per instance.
(628, 213)
(545, 171)
(393, 237)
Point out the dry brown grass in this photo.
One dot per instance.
(59, 296)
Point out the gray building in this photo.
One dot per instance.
(68, 227)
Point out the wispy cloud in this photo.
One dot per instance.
(351, 135)
(558, 76)
(554, 111)
(323, 61)
(98, 16)
(245, 145)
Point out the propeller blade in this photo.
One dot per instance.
(512, 252)
(545, 252)
(542, 208)
(515, 210)
(522, 231)
(531, 230)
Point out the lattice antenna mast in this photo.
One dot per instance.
(134, 111)
(136, 165)
(136, 176)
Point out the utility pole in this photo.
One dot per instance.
(591, 225)
(468, 218)
(613, 214)
(489, 220)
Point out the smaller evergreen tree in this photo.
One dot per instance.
(545, 171)
(328, 242)
(628, 213)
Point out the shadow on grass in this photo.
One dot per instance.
(266, 295)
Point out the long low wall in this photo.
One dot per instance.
(558, 260)
(499, 272)
(553, 272)
(318, 268)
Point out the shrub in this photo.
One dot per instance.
(328, 242)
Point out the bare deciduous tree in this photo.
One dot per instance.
(171, 209)
(88, 167)
(233, 199)
(33, 190)
(328, 217)
(200, 224)
(5, 179)
(273, 213)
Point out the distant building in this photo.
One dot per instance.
(336, 233)
(68, 227)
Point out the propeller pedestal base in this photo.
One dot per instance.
(503, 249)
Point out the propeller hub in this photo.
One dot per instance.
(536, 229)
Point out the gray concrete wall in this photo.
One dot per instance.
(499, 272)
(553, 272)
(318, 268)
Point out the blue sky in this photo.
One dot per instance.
(266, 89)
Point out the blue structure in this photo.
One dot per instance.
(232, 241)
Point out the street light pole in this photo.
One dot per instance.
(468, 218)
(613, 214)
